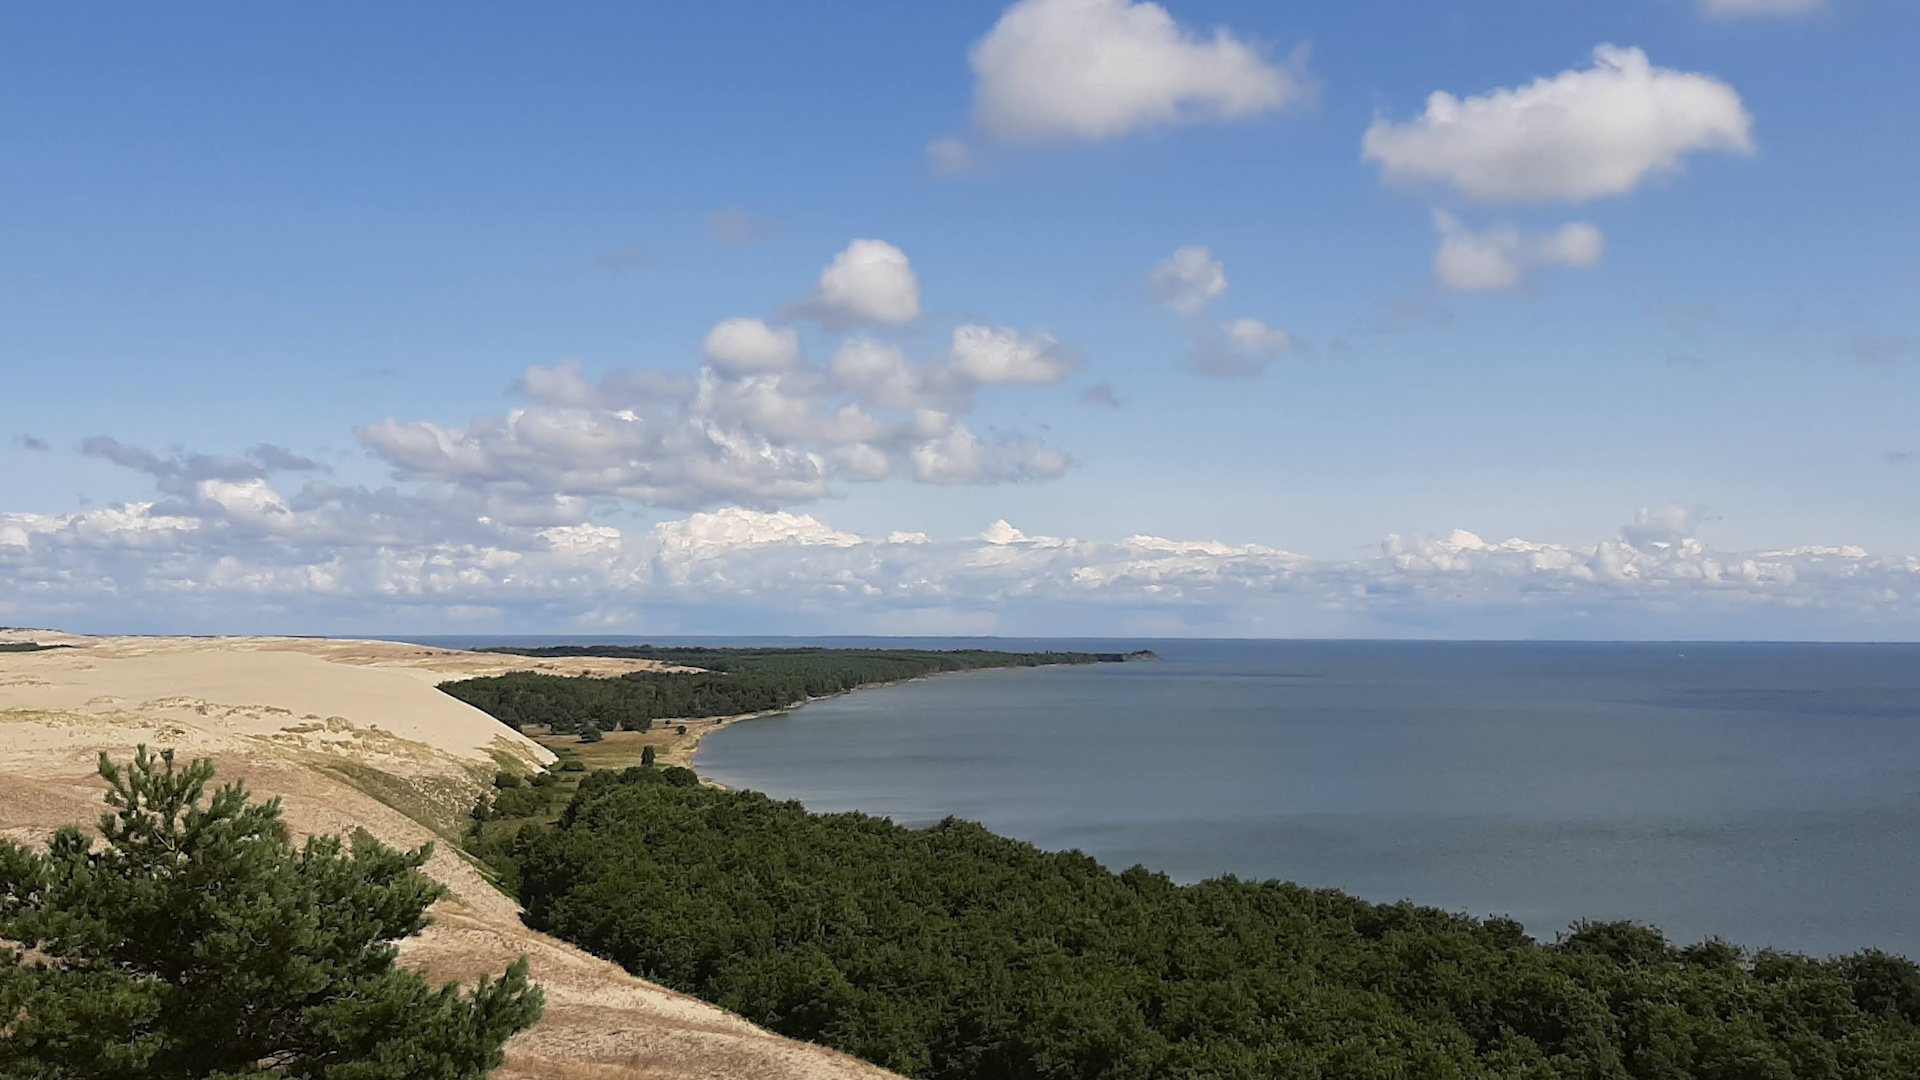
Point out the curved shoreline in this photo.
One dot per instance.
(685, 748)
(671, 747)
(619, 749)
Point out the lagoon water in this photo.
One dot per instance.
(1769, 794)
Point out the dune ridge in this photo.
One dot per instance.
(353, 734)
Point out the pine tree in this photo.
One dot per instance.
(196, 941)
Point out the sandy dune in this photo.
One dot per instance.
(354, 734)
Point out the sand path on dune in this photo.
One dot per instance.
(353, 734)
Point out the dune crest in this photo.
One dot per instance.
(353, 734)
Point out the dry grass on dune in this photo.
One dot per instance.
(353, 734)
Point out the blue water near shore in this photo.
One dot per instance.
(1767, 793)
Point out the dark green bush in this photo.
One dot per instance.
(197, 941)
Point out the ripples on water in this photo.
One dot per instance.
(1766, 793)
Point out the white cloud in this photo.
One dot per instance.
(716, 534)
(252, 500)
(871, 281)
(1254, 336)
(1501, 257)
(1187, 280)
(961, 457)
(125, 564)
(1095, 69)
(1734, 8)
(881, 374)
(995, 354)
(1243, 349)
(1662, 528)
(1578, 135)
(749, 347)
(679, 458)
(757, 426)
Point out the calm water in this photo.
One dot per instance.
(1766, 793)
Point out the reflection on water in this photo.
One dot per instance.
(1766, 793)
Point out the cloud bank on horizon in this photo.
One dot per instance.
(862, 377)
(241, 552)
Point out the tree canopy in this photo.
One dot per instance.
(194, 940)
(737, 681)
(951, 953)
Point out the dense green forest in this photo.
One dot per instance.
(952, 953)
(799, 659)
(736, 681)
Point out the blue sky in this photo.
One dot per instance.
(349, 234)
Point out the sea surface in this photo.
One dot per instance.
(1765, 793)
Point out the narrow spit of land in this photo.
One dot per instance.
(949, 953)
(611, 722)
(659, 716)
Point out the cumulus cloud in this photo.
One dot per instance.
(758, 425)
(759, 440)
(871, 281)
(995, 354)
(1575, 136)
(738, 225)
(1662, 528)
(1096, 69)
(1501, 257)
(1242, 349)
(961, 457)
(749, 347)
(1735, 8)
(1254, 336)
(1187, 280)
(250, 548)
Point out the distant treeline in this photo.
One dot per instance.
(815, 658)
(950, 953)
(736, 681)
(27, 646)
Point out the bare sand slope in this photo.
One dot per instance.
(352, 734)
